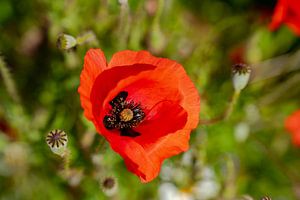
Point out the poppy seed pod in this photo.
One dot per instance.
(144, 106)
(66, 42)
(109, 186)
(57, 140)
(241, 75)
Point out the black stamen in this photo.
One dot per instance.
(115, 118)
(109, 122)
(121, 97)
(129, 132)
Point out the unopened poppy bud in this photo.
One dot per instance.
(66, 42)
(109, 185)
(241, 75)
(57, 141)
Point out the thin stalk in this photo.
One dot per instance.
(158, 14)
(66, 160)
(232, 104)
(101, 145)
(124, 26)
(8, 81)
(86, 37)
(227, 113)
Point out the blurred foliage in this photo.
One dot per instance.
(250, 153)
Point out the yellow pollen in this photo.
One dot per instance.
(126, 115)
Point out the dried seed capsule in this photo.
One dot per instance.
(109, 185)
(57, 141)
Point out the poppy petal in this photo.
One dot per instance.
(280, 13)
(171, 144)
(164, 118)
(292, 123)
(135, 157)
(106, 81)
(127, 57)
(167, 140)
(294, 24)
(140, 152)
(168, 81)
(286, 11)
(94, 64)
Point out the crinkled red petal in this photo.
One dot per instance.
(140, 153)
(164, 118)
(106, 82)
(127, 57)
(94, 64)
(169, 74)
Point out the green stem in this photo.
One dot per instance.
(86, 37)
(124, 27)
(156, 20)
(66, 158)
(229, 187)
(8, 81)
(226, 114)
(232, 104)
(158, 14)
(101, 144)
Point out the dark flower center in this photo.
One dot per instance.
(124, 115)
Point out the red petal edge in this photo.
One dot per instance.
(94, 64)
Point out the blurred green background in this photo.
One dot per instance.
(247, 156)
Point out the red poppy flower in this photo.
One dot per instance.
(144, 106)
(292, 124)
(287, 12)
